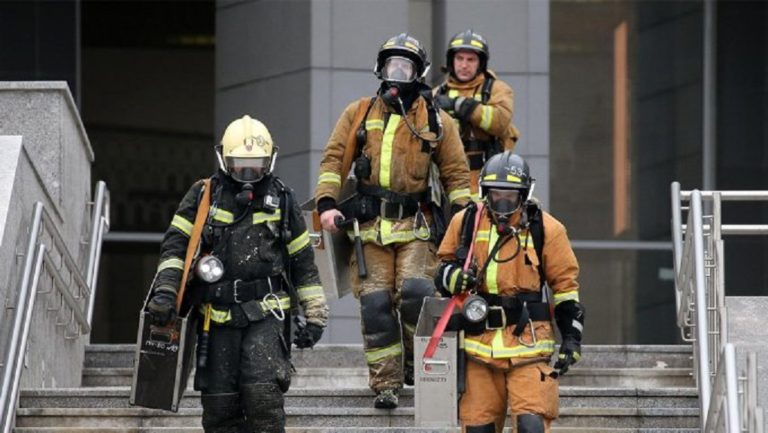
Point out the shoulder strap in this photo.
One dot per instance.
(194, 239)
(537, 232)
(467, 228)
(352, 145)
(486, 91)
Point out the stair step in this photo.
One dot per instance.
(117, 397)
(555, 429)
(343, 417)
(351, 355)
(358, 377)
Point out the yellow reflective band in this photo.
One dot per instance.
(475, 196)
(483, 236)
(493, 267)
(487, 118)
(386, 151)
(411, 46)
(298, 243)
(457, 42)
(452, 283)
(218, 316)
(377, 355)
(512, 178)
(476, 44)
(182, 224)
(498, 341)
(171, 263)
(541, 347)
(308, 292)
(370, 125)
(491, 176)
(367, 235)
(271, 304)
(222, 215)
(453, 93)
(477, 348)
(571, 295)
(457, 194)
(262, 217)
(329, 177)
(526, 241)
(478, 97)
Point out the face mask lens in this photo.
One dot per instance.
(503, 201)
(247, 169)
(399, 70)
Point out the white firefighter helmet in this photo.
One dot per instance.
(246, 152)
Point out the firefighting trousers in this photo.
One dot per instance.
(527, 389)
(399, 276)
(246, 375)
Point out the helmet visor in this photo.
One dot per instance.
(399, 70)
(504, 201)
(247, 170)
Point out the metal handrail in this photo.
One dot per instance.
(36, 259)
(701, 311)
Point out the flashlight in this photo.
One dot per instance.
(475, 309)
(209, 269)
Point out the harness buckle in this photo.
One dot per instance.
(503, 313)
(384, 206)
(236, 292)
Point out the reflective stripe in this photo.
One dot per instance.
(542, 347)
(329, 177)
(510, 177)
(171, 263)
(221, 215)
(308, 292)
(454, 277)
(493, 267)
(182, 224)
(218, 316)
(367, 235)
(457, 194)
(262, 217)
(377, 355)
(371, 125)
(476, 43)
(478, 97)
(475, 196)
(224, 316)
(385, 171)
(571, 295)
(483, 236)
(526, 241)
(453, 93)
(298, 243)
(456, 42)
(487, 118)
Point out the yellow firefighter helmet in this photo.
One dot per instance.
(246, 152)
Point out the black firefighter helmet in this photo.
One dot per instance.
(404, 46)
(506, 171)
(468, 40)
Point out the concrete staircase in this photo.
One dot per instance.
(613, 389)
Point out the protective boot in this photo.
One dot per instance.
(222, 413)
(263, 405)
(485, 428)
(386, 399)
(530, 423)
(408, 377)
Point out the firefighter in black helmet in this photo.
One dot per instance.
(254, 256)
(518, 249)
(400, 133)
(481, 103)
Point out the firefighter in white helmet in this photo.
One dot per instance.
(256, 234)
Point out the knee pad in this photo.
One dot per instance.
(485, 428)
(380, 327)
(263, 407)
(530, 423)
(222, 413)
(413, 293)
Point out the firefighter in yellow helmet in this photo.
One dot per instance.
(399, 134)
(481, 104)
(258, 258)
(506, 318)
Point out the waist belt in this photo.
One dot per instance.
(237, 291)
(503, 311)
(393, 205)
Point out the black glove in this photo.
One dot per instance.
(162, 306)
(445, 102)
(452, 278)
(569, 316)
(307, 337)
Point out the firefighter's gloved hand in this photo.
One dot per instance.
(307, 337)
(453, 278)
(445, 102)
(162, 306)
(569, 316)
(570, 353)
